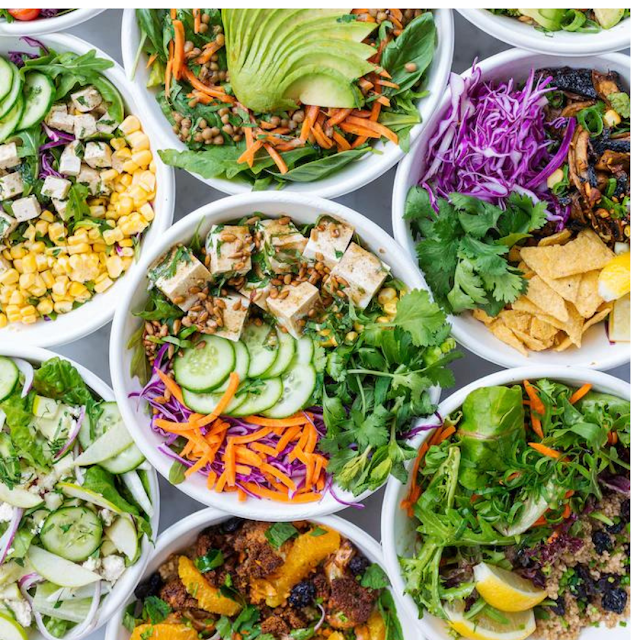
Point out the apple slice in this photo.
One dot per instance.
(19, 497)
(58, 570)
(124, 536)
(10, 629)
(76, 491)
(109, 444)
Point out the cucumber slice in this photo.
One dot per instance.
(109, 417)
(19, 497)
(241, 366)
(205, 369)
(75, 491)
(58, 570)
(262, 343)
(73, 533)
(304, 353)
(298, 384)
(125, 461)
(124, 537)
(14, 93)
(206, 402)
(263, 398)
(9, 375)
(9, 628)
(286, 354)
(6, 77)
(109, 444)
(9, 122)
(39, 92)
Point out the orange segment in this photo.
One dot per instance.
(164, 632)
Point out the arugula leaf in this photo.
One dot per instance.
(279, 532)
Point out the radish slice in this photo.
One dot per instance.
(72, 435)
(27, 370)
(10, 534)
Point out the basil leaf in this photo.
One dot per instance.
(278, 533)
(323, 167)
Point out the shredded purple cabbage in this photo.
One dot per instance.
(36, 44)
(46, 168)
(49, 13)
(619, 484)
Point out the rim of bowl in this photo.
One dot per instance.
(99, 310)
(488, 346)
(126, 584)
(390, 516)
(377, 240)
(48, 25)
(564, 43)
(191, 526)
(354, 176)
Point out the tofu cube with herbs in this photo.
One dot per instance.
(11, 186)
(7, 224)
(256, 288)
(229, 249)
(61, 208)
(26, 208)
(234, 316)
(292, 310)
(106, 124)
(84, 126)
(71, 159)
(56, 188)
(90, 177)
(359, 274)
(328, 241)
(281, 245)
(9, 155)
(177, 273)
(86, 99)
(59, 118)
(97, 155)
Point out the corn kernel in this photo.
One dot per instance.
(79, 248)
(612, 118)
(388, 294)
(42, 261)
(10, 276)
(126, 242)
(142, 158)
(27, 280)
(124, 206)
(17, 252)
(3, 321)
(126, 179)
(56, 231)
(118, 143)
(129, 125)
(98, 210)
(47, 216)
(382, 319)
(127, 252)
(152, 166)
(103, 285)
(63, 306)
(77, 289)
(38, 291)
(114, 267)
(147, 212)
(390, 308)
(17, 264)
(30, 233)
(41, 227)
(48, 278)
(45, 307)
(29, 264)
(138, 140)
(129, 166)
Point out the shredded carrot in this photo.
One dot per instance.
(396, 13)
(536, 425)
(308, 122)
(248, 154)
(208, 52)
(211, 480)
(580, 393)
(378, 128)
(252, 437)
(360, 140)
(222, 481)
(178, 59)
(384, 101)
(152, 59)
(387, 83)
(230, 464)
(321, 138)
(365, 85)
(277, 158)
(340, 115)
(358, 130)
(288, 436)
(396, 22)
(214, 92)
(444, 435)
(536, 403)
(540, 522)
(544, 450)
(248, 136)
(293, 421)
(227, 396)
(197, 466)
(196, 20)
(263, 448)
(298, 498)
(342, 143)
(173, 13)
(167, 71)
(174, 389)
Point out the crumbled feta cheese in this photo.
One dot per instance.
(26, 208)
(92, 564)
(53, 500)
(6, 512)
(22, 611)
(112, 568)
(9, 155)
(86, 99)
(107, 516)
(64, 467)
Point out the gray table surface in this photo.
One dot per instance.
(374, 201)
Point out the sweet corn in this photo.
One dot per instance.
(45, 307)
(388, 294)
(138, 141)
(63, 306)
(390, 308)
(129, 125)
(114, 266)
(47, 216)
(118, 143)
(3, 321)
(103, 284)
(83, 247)
(142, 158)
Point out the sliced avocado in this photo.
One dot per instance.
(608, 18)
(548, 19)
(324, 87)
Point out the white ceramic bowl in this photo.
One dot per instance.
(561, 43)
(353, 176)
(99, 310)
(126, 584)
(43, 26)
(184, 533)
(596, 351)
(302, 209)
(398, 530)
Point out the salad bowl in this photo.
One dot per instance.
(345, 180)
(34, 356)
(42, 26)
(400, 540)
(596, 351)
(127, 328)
(183, 535)
(98, 310)
(560, 43)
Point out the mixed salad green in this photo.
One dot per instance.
(572, 20)
(75, 499)
(273, 96)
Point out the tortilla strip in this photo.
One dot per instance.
(516, 320)
(588, 299)
(483, 316)
(543, 296)
(563, 344)
(598, 317)
(503, 333)
(532, 343)
(543, 331)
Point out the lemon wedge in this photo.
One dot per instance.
(506, 590)
(519, 626)
(620, 320)
(615, 278)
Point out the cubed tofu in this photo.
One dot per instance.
(26, 208)
(84, 126)
(359, 274)
(86, 99)
(90, 177)
(5, 265)
(97, 155)
(282, 245)
(176, 273)
(229, 248)
(328, 241)
(291, 311)
(9, 155)
(57, 188)
(61, 208)
(234, 316)
(71, 159)
(11, 186)
(106, 124)
(7, 224)
(59, 118)
(256, 288)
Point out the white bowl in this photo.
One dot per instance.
(302, 209)
(99, 310)
(596, 351)
(43, 26)
(398, 530)
(184, 533)
(561, 43)
(126, 584)
(353, 176)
